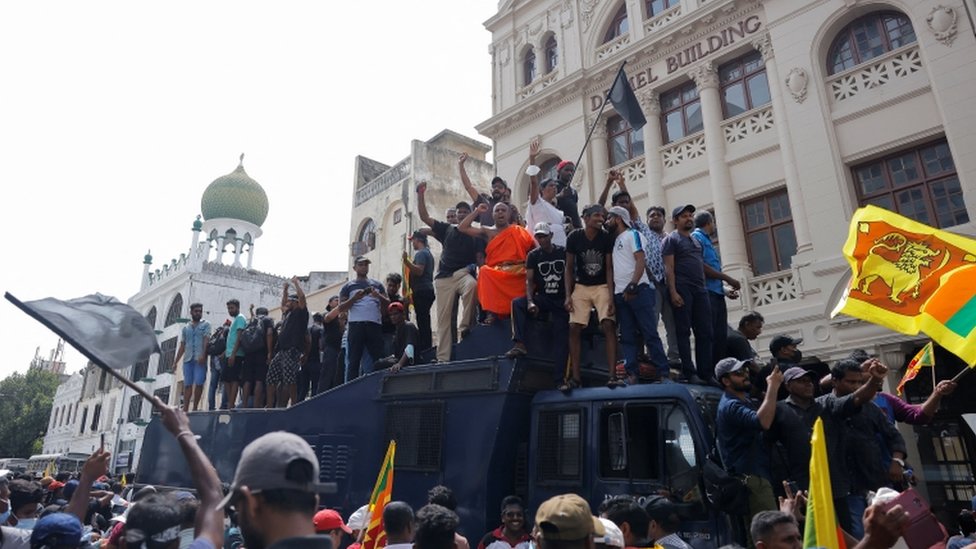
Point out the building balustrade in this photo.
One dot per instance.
(689, 148)
(897, 63)
(748, 123)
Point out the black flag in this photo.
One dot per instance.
(625, 102)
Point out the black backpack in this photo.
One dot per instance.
(253, 337)
(726, 492)
(218, 342)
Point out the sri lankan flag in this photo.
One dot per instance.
(925, 357)
(910, 277)
(382, 493)
(820, 529)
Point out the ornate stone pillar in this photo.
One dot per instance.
(238, 244)
(220, 249)
(599, 161)
(728, 220)
(653, 168)
(250, 255)
(794, 189)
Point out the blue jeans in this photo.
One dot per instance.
(856, 504)
(636, 316)
(558, 327)
(695, 314)
(216, 365)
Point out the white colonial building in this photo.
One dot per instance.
(780, 116)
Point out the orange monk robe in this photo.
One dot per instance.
(502, 278)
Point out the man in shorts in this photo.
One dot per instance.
(589, 284)
(283, 369)
(194, 339)
(234, 354)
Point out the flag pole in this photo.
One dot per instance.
(88, 354)
(960, 375)
(596, 120)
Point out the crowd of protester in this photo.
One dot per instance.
(273, 503)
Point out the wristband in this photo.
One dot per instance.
(532, 170)
(631, 288)
(185, 433)
(899, 461)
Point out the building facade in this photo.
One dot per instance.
(781, 117)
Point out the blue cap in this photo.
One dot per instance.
(69, 489)
(57, 530)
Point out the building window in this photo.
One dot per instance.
(175, 310)
(366, 239)
(528, 67)
(84, 418)
(552, 54)
(166, 356)
(96, 415)
(743, 84)
(619, 25)
(397, 216)
(770, 238)
(920, 183)
(655, 7)
(680, 113)
(151, 318)
(135, 408)
(140, 370)
(868, 37)
(624, 143)
(162, 394)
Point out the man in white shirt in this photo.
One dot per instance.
(542, 199)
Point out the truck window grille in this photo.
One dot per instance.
(418, 431)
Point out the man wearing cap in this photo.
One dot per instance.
(566, 522)
(454, 279)
(740, 424)
(292, 343)
(589, 284)
(684, 263)
(366, 302)
(57, 531)
(714, 279)
(502, 277)
(404, 341)
(421, 273)
(633, 294)
(542, 198)
(566, 198)
(194, 338)
(499, 193)
(328, 522)
(783, 348)
(545, 270)
(664, 523)
(275, 492)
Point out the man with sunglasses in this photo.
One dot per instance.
(545, 270)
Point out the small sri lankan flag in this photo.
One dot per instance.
(949, 316)
(925, 357)
(382, 494)
(820, 529)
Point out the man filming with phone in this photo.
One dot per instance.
(365, 299)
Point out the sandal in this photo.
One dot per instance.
(615, 382)
(517, 351)
(568, 385)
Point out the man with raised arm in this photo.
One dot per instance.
(292, 339)
(499, 193)
(501, 279)
(542, 201)
(454, 278)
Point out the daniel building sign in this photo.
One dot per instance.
(697, 51)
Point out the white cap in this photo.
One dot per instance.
(359, 519)
(613, 536)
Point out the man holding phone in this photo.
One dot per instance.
(365, 299)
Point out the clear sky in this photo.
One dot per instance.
(116, 115)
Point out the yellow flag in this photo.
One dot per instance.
(821, 528)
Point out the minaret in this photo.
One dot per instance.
(146, 262)
(234, 206)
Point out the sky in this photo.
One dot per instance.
(116, 115)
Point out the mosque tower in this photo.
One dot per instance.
(234, 207)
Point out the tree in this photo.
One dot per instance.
(25, 409)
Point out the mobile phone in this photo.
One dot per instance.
(103, 441)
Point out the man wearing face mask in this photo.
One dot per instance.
(25, 503)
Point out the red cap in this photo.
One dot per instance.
(329, 519)
(563, 164)
(55, 485)
(395, 306)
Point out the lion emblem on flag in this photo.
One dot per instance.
(897, 262)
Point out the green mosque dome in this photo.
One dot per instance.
(235, 196)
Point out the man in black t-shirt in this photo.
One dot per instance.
(308, 376)
(454, 278)
(255, 370)
(589, 284)
(292, 342)
(545, 291)
(404, 340)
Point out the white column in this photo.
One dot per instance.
(794, 189)
(238, 244)
(653, 167)
(728, 220)
(220, 249)
(250, 254)
(599, 162)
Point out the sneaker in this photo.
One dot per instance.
(517, 351)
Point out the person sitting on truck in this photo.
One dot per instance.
(436, 528)
(664, 523)
(405, 338)
(444, 496)
(566, 522)
(631, 518)
(398, 525)
(512, 533)
(502, 278)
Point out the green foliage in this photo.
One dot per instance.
(25, 409)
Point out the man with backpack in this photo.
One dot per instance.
(257, 340)
(234, 352)
(216, 348)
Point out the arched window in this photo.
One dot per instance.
(151, 317)
(655, 7)
(618, 25)
(175, 310)
(528, 67)
(367, 236)
(624, 143)
(552, 54)
(868, 37)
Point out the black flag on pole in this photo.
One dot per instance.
(625, 102)
(102, 328)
